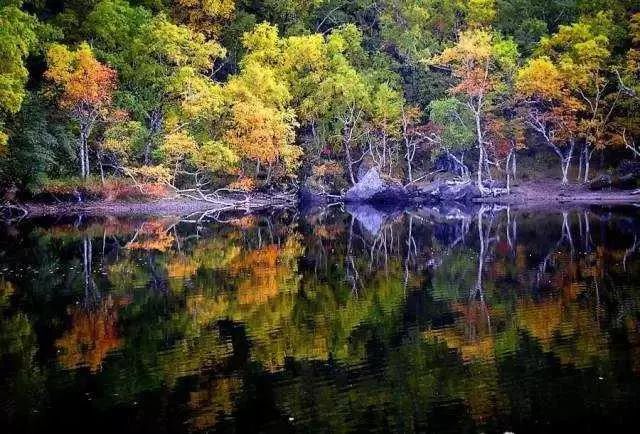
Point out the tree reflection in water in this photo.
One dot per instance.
(484, 319)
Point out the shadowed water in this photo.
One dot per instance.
(489, 320)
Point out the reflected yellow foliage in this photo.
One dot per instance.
(153, 235)
(6, 291)
(93, 335)
(215, 397)
(542, 320)
(471, 336)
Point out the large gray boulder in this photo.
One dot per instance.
(461, 193)
(374, 187)
(369, 217)
(443, 191)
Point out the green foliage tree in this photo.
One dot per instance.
(18, 38)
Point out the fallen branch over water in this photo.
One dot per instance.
(227, 199)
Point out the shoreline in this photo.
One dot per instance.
(538, 193)
(168, 206)
(534, 194)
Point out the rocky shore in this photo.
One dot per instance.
(372, 189)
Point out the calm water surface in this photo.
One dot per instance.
(492, 320)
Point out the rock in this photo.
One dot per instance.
(600, 183)
(627, 181)
(364, 168)
(425, 189)
(374, 187)
(372, 219)
(463, 193)
(377, 188)
(625, 177)
(494, 183)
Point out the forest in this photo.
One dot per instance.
(161, 97)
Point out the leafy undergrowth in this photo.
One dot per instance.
(93, 189)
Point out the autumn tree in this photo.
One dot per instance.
(205, 16)
(550, 109)
(261, 122)
(628, 76)
(85, 91)
(581, 52)
(160, 63)
(413, 137)
(482, 63)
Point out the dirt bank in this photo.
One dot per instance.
(550, 192)
(242, 202)
(526, 194)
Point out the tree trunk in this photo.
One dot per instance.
(101, 170)
(86, 156)
(155, 125)
(81, 148)
(481, 153)
(580, 166)
(409, 170)
(565, 161)
(479, 175)
(514, 166)
(508, 170)
(349, 162)
(269, 172)
(587, 163)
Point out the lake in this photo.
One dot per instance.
(333, 320)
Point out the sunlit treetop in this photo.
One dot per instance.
(580, 50)
(82, 79)
(478, 60)
(19, 36)
(540, 78)
(205, 16)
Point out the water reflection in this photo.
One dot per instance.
(492, 319)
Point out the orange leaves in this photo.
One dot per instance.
(470, 60)
(505, 135)
(83, 80)
(153, 235)
(93, 335)
(244, 184)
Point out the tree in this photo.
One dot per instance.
(18, 38)
(451, 133)
(628, 77)
(483, 63)
(261, 123)
(551, 110)
(204, 16)
(156, 60)
(85, 91)
(39, 146)
(581, 52)
(412, 137)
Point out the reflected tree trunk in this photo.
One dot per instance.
(91, 297)
(410, 243)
